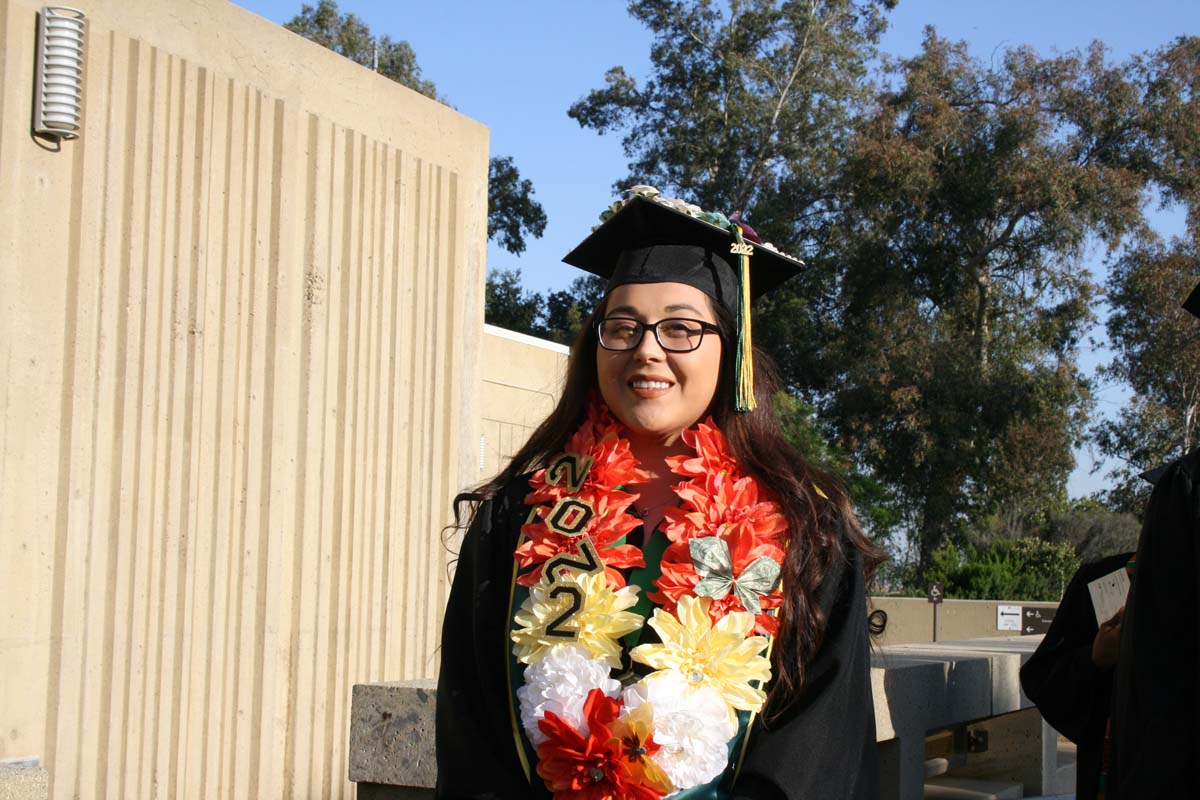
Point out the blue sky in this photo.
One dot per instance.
(518, 66)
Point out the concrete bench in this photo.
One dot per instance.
(918, 688)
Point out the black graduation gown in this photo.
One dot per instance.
(822, 747)
(1071, 692)
(1156, 750)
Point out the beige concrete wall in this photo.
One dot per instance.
(910, 619)
(239, 388)
(522, 379)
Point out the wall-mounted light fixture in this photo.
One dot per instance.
(58, 79)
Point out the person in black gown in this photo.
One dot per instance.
(1156, 705)
(1155, 749)
(1070, 675)
(815, 737)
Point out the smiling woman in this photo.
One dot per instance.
(662, 384)
(660, 596)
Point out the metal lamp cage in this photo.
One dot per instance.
(58, 87)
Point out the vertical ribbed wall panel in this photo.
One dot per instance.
(237, 401)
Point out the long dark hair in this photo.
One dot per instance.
(819, 528)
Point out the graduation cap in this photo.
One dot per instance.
(1192, 304)
(1151, 476)
(648, 239)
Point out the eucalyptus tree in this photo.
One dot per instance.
(1156, 343)
(962, 291)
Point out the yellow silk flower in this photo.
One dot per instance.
(597, 624)
(634, 729)
(720, 656)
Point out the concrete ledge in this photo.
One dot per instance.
(23, 783)
(391, 734)
(917, 688)
(967, 789)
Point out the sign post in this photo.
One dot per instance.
(937, 593)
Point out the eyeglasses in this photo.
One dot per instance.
(673, 335)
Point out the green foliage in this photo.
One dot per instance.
(1157, 344)
(1092, 530)
(873, 502)
(944, 219)
(963, 293)
(512, 211)
(568, 310)
(1021, 569)
(513, 214)
(349, 36)
(748, 105)
(510, 306)
(557, 316)
(1170, 119)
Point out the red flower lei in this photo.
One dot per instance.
(728, 511)
(613, 466)
(716, 500)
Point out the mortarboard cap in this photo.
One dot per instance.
(1192, 303)
(645, 239)
(648, 239)
(1151, 476)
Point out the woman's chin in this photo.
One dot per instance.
(663, 432)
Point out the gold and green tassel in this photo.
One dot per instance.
(743, 358)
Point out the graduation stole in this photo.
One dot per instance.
(595, 727)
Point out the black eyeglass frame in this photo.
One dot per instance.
(705, 327)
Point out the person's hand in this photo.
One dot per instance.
(1107, 644)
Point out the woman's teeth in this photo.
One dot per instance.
(651, 385)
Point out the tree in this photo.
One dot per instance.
(512, 211)
(943, 220)
(568, 310)
(1156, 342)
(748, 107)
(1022, 569)
(1157, 354)
(961, 294)
(557, 316)
(513, 214)
(508, 305)
(804, 429)
(1171, 121)
(1092, 530)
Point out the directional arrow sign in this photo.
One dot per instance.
(1037, 620)
(1008, 618)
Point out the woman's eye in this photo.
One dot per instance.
(677, 329)
(622, 330)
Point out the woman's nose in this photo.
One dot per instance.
(649, 348)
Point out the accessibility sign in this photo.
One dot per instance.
(1035, 620)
